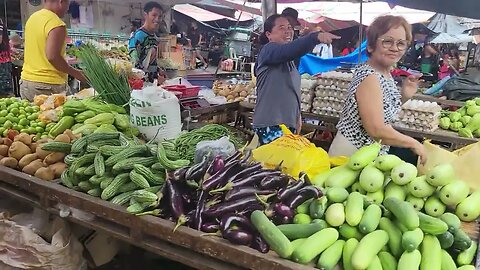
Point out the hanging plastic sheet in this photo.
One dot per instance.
(312, 64)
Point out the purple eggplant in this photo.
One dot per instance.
(179, 175)
(220, 209)
(260, 244)
(251, 180)
(234, 156)
(221, 177)
(241, 192)
(273, 182)
(216, 165)
(303, 195)
(176, 203)
(278, 219)
(197, 171)
(290, 190)
(246, 157)
(283, 210)
(202, 199)
(238, 237)
(240, 221)
(210, 227)
(247, 171)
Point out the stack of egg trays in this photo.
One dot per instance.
(330, 95)
(419, 115)
(307, 94)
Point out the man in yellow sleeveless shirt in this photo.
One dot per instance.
(45, 70)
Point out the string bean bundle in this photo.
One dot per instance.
(186, 143)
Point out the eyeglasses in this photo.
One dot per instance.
(388, 43)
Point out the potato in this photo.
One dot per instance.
(63, 138)
(9, 162)
(24, 138)
(4, 150)
(53, 158)
(24, 161)
(243, 94)
(7, 141)
(44, 140)
(33, 167)
(18, 150)
(45, 173)
(42, 154)
(33, 147)
(58, 168)
(70, 134)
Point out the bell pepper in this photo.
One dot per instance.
(470, 103)
(76, 126)
(122, 121)
(81, 117)
(100, 119)
(131, 132)
(455, 116)
(465, 132)
(85, 129)
(65, 123)
(444, 123)
(73, 106)
(456, 126)
(106, 128)
(462, 110)
(472, 110)
(476, 133)
(477, 101)
(474, 123)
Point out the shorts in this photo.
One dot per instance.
(267, 135)
(29, 89)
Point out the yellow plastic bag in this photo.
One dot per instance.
(465, 161)
(295, 153)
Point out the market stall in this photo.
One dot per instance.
(119, 161)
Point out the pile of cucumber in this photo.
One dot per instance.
(379, 214)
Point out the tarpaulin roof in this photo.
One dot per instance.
(452, 39)
(463, 8)
(204, 15)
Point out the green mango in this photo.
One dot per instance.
(434, 207)
(376, 197)
(420, 188)
(441, 175)
(371, 179)
(364, 156)
(342, 177)
(454, 193)
(319, 179)
(469, 209)
(404, 173)
(387, 162)
(416, 202)
(394, 190)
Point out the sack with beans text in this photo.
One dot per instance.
(295, 154)
(156, 113)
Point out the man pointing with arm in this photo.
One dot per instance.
(45, 70)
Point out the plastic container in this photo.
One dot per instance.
(183, 91)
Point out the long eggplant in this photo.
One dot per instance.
(221, 177)
(303, 195)
(197, 171)
(241, 192)
(251, 180)
(247, 171)
(237, 220)
(283, 210)
(202, 199)
(211, 227)
(220, 209)
(238, 236)
(246, 157)
(278, 219)
(274, 181)
(176, 203)
(290, 190)
(234, 156)
(179, 174)
(217, 165)
(260, 244)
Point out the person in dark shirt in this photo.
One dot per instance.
(6, 87)
(292, 16)
(143, 45)
(196, 39)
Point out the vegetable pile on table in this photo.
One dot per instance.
(465, 120)
(110, 166)
(379, 214)
(19, 115)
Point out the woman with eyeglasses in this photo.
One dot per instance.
(374, 100)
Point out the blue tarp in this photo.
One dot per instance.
(312, 64)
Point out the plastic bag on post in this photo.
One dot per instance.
(156, 113)
(222, 147)
(295, 153)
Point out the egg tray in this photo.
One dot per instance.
(308, 84)
(305, 107)
(307, 98)
(336, 93)
(326, 112)
(421, 115)
(422, 106)
(418, 127)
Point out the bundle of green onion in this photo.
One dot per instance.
(110, 85)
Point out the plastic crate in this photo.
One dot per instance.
(183, 91)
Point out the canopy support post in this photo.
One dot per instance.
(360, 32)
(269, 8)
